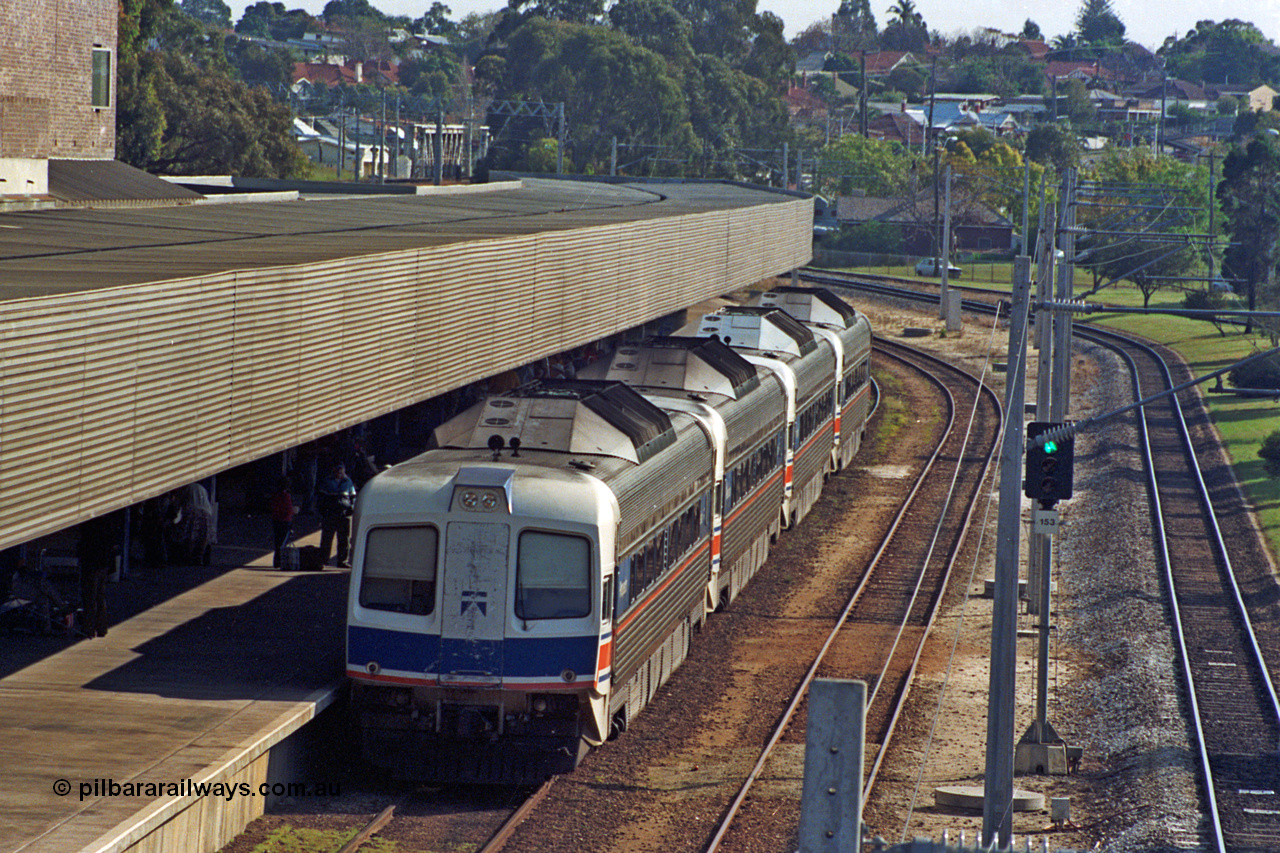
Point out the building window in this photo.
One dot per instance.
(101, 95)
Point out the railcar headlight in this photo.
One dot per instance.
(569, 676)
(540, 705)
(372, 667)
(472, 499)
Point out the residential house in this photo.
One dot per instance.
(1256, 99)
(882, 63)
(804, 106)
(1171, 91)
(975, 226)
(897, 127)
(316, 75)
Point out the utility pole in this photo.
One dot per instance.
(437, 149)
(997, 815)
(945, 260)
(1041, 749)
(560, 138)
(862, 101)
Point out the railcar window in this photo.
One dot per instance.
(752, 471)
(553, 576)
(399, 570)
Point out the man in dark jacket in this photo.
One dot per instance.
(335, 501)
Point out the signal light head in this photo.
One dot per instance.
(1048, 472)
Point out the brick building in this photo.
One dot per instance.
(57, 88)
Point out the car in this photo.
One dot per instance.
(931, 266)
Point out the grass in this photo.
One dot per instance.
(1242, 423)
(288, 839)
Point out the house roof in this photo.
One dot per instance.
(350, 73)
(884, 61)
(1177, 90)
(812, 61)
(1038, 49)
(802, 103)
(967, 209)
(896, 127)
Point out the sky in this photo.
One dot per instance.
(1147, 22)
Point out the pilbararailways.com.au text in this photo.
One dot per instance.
(189, 788)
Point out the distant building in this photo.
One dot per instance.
(975, 226)
(57, 88)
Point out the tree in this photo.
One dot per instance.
(874, 166)
(1150, 251)
(180, 111)
(610, 88)
(213, 13)
(431, 74)
(257, 65)
(1050, 144)
(1031, 31)
(655, 25)
(335, 9)
(271, 20)
(770, 58)
(1228, 52)
(1098, 24)
(573, 11)
(1270, 454)
(436, 21)
(854, 27)
(1250, 197)
(722, 28)
(907, 29)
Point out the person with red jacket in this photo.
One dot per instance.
(282, 512)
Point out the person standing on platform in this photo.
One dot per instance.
(96, 551)
(335, 501)
(282, 513)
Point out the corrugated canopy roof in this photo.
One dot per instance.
(70, 250)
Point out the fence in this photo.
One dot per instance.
(972, 268)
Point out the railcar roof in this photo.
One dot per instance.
(585, 418)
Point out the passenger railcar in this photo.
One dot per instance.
(522, 591)
(849, 333)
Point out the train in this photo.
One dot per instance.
(520, 591)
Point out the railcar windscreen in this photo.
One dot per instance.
(400, 569)
(553, 576)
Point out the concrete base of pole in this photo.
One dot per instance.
(971, 797)
(1040, 759)
(952, 315)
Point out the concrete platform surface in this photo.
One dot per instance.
(106, 740)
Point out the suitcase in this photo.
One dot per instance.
(289, 559)
(310, 559)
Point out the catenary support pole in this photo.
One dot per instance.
(997, 816)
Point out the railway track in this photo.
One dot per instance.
(880, 634)
(1229, 686)
(1235, 713)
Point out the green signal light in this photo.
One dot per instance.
(1051, 447)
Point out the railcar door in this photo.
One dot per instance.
(474, 603)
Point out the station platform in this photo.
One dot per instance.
(107, 743)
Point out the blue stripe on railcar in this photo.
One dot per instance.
(404, 651)
(523, 658)
(543, 657)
